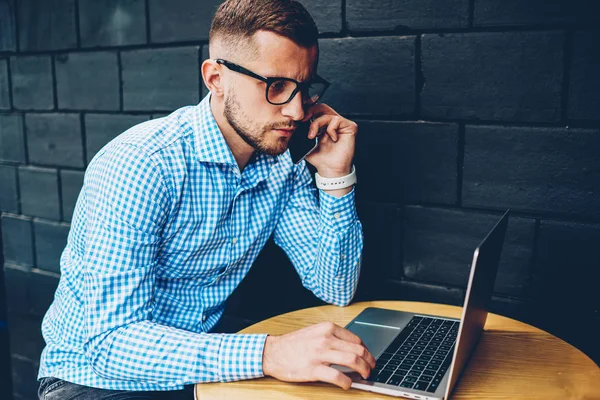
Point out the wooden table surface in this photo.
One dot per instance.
(513, 360)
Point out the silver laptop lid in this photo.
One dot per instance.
(479, 293)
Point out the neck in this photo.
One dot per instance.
(242, 151)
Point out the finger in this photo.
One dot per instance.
(333, 376)
(322, 108)
(333, 127)
(346, 335)
(334, 124)
(317, 123)
(314, 111)
(309, 113)
(357, 349)
(349, 360)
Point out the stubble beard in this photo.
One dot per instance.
(254, 136)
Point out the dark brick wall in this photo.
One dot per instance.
(465, 108)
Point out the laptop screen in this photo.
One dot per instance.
(479, 293)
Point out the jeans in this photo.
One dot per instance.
(57, 389)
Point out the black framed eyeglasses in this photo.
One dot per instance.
(282, 90)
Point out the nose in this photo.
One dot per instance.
(294, 109)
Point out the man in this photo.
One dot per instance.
(174, 211)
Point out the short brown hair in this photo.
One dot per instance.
(240, 19)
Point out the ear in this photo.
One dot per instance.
(211, 74)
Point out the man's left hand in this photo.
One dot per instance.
(333, 156)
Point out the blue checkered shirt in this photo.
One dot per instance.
(164, 229)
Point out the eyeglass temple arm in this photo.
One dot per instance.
(240, 69)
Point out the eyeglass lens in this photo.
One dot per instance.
(280, 92)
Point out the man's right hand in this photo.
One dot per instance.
(306, 355)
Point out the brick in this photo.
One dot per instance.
(407, 290)
(32, 82)
(567, 266)
(368, 15)
(45, 285)
(181, 20)
(532, 169)
(565, 283)
(71, 183)
(3, 311)
(79, 74)
(102, 128)
(514, 76)
(39, 192)
(25, 377)
(29, 292)
(374, 75)
(54, 139)
(9, 195)
(205, 56)
(534, 12)
(4, 96)
(382, 253)
(112, 22)
(5, 367)
(584, 88)
(46, 25)
(50, 241)
(17, 240)
(12, 145)
(415, 162)
(439, 245)
(3, 315)
(25, 335)
(8, 37)
(512, 308)
(17, 290)
(160, 87)
(327, 14)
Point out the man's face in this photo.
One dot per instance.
(264, 126)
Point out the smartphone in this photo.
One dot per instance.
(300, 145)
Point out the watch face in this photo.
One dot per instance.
(300, 145)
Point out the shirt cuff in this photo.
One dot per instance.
(338, 212)
(241, 357)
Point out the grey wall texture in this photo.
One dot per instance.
(465, 108)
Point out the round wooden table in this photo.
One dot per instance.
(513, 360)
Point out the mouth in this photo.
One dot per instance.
(285, 132)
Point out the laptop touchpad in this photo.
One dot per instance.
(376, 338)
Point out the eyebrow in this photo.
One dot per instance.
(311, 78)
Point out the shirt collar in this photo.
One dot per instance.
(211, 145)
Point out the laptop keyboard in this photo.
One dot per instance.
(419, 356)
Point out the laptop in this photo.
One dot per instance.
(422, 356)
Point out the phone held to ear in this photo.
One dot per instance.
(300, 145)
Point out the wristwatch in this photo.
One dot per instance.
(336, 183)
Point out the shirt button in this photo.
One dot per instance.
(204, 318)
(234, 240)
(343, 257)
(336, 215)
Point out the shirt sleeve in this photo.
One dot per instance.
(127, 207)
(322, 236)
